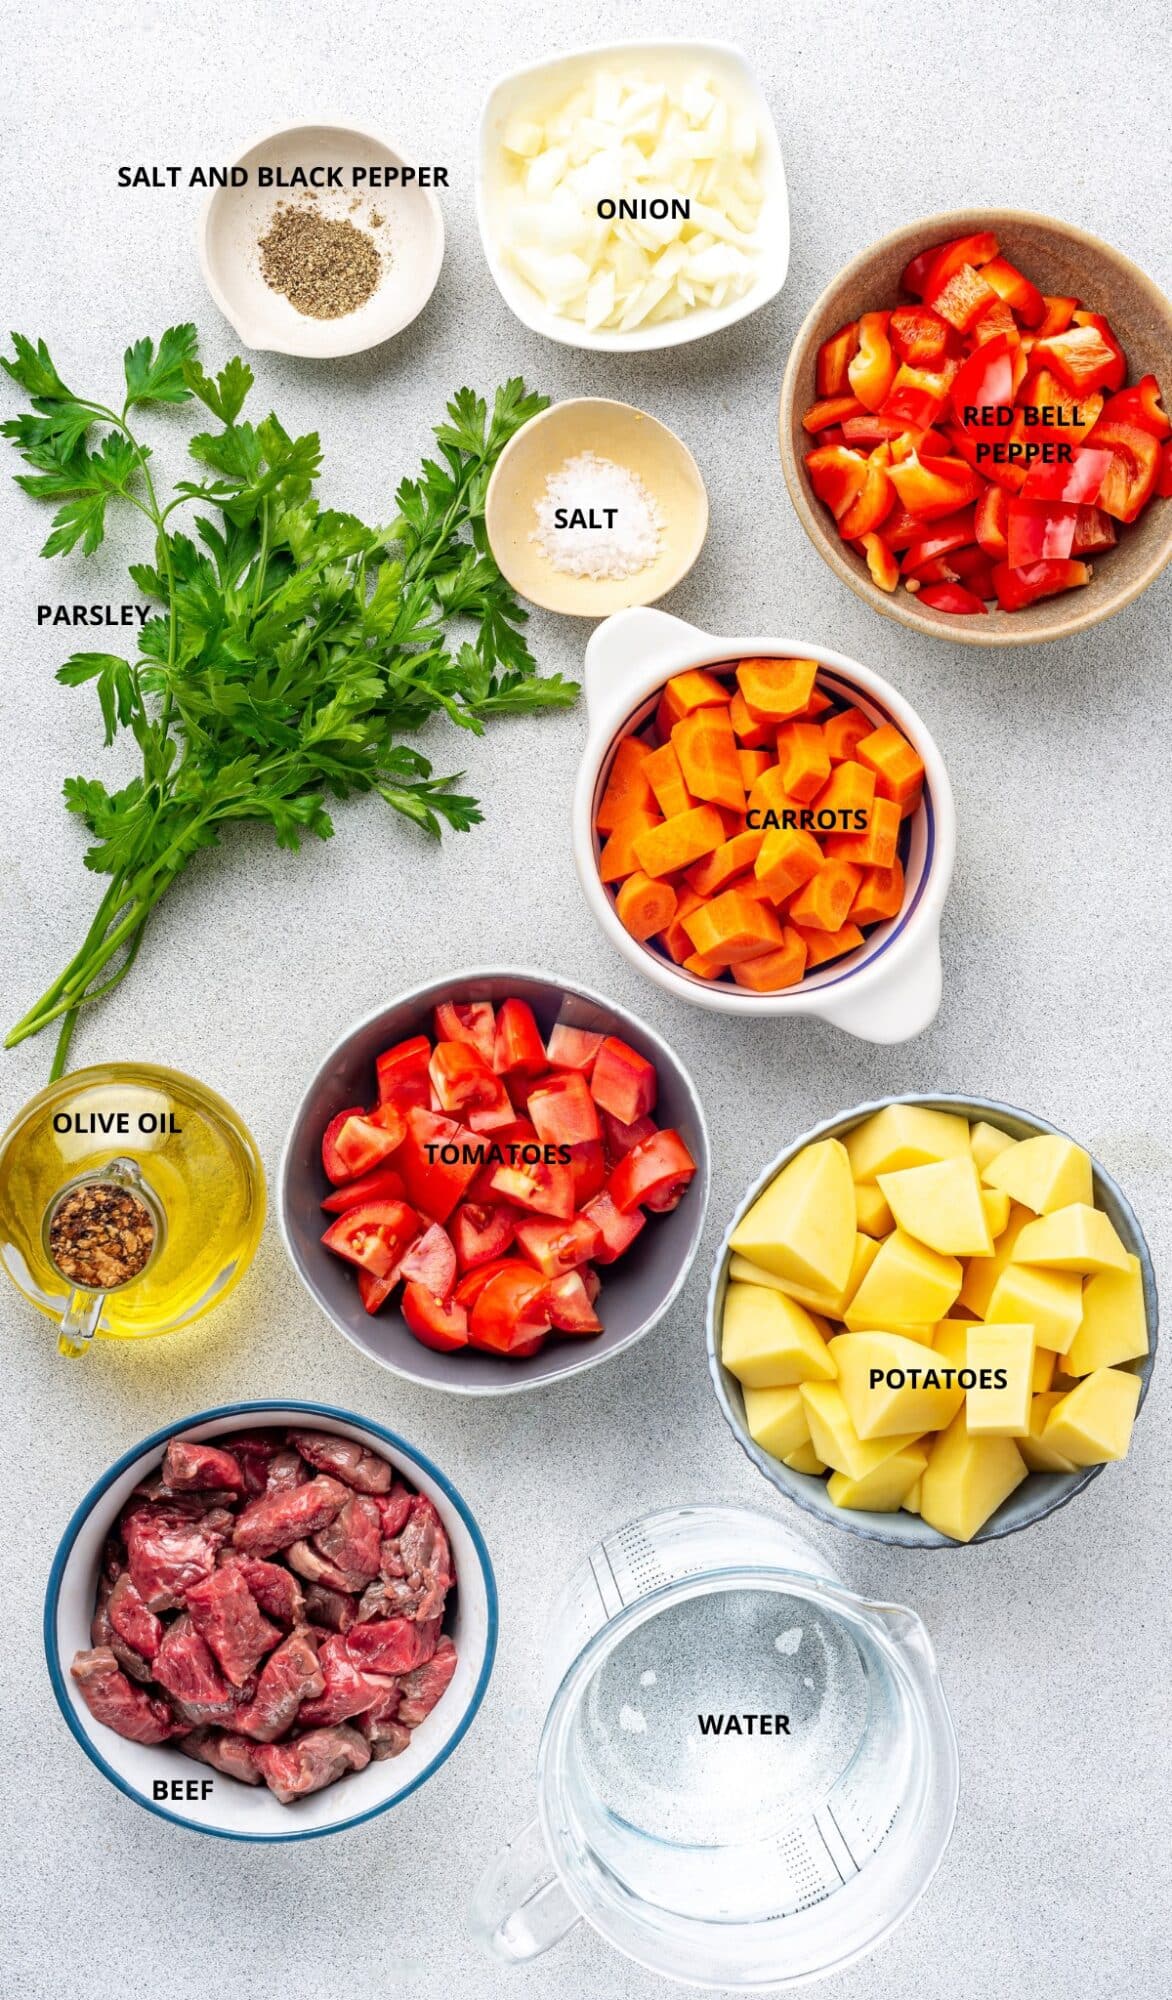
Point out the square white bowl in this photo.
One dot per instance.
(554, 78)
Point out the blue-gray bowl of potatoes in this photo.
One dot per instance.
(932, 1320)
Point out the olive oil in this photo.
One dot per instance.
(194, 1162)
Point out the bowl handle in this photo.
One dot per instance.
(622, 648)
(898, 1007)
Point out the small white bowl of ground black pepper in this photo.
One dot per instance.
(330, 241)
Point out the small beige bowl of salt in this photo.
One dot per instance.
(595, 506)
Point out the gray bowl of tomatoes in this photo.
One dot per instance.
(494, 1181)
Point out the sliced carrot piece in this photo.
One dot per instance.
(719, 868)
(912, 803)
(774, 969)
(897, 764)
(802, 759)
(752, 763)
(788, 858)
(733, 926)
(768, 794)
(677, 842)
(821, 945)
(706, 965)
(817, 705)
(879, 895)
(676, 941)
(644, 906)
(825, 901)
(618, 856)
(851, 788)
(626, 784)
(876, 847)
(707, 750)
(666, 780)
(844, 732)
(688, 691)
(753, 735)
(775, 690)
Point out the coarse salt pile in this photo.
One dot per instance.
(597, 519)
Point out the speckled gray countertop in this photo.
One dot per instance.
(1054, 1645)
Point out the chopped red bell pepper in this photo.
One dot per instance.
(834, 359)
(1093, 531)
(990, 521)
(1060, 312)
(1077, 481)
(1164, 476)
(919, 336)
(986, 384)
(1140, 405)
(1039, 531)
(953, 532)
(919, 395)
(837, 476)
(872, 370)
(831, 410)
(874, 500)
(933, 487)
(1135, 466)
(1019, 294)
(1017, 588)
(962, 298)
(950, 597)
(1085, 358)
(881, 561)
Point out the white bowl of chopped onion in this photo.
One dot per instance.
(633, 196)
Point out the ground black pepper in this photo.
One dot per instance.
(101, 1235)
(325, 269)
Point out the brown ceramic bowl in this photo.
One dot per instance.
(1059, 259)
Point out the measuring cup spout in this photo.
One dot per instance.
(520, 1908)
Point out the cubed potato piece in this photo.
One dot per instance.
(1000, 1407)
(1077, 1238)
(905, 1135)
(940, 1205)
(1092, 1423)
(908, 1329)
(805, 1459)
(986, 1142)
(1038, 1456)
(831, 1305)
(950, 1340)
(872, 1212)
(1042, 1173)
(1049, 1301)
(835, 1438)
(1114, 1321)
(997, 1205)
(908, 1283)
(967, 1478)
(768, 1341)
(1045, 1362)
(776, 1420)
(911, 1500)
(803, 1226)
(884, 1489)
(982, 1273)
(892, 1387)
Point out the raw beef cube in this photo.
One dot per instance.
(421, 1559)
(345, 1458)
(185, 1667)
(312, 1565)
(235, 1756)
(276, 1591)
(392, 1645)
(131, 1620)
(114, 1700)
(102, 1633)
(277, 1519)
(348, 1691)
(226, 1614)
(253, 1452)
(395, 1509)
(353, 1540)
(189, 1467)
(424, 1685)
(331, 1608)
(386, 1737)
(290, 1676)
(285, 1471)
(291, 1770)
(168, 1551)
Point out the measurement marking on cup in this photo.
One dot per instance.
(827, 1846)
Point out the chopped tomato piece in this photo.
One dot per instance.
(563, 1111)
(616, 1229)
(374, 1292)
(383, 1184)
(352, 1145)
(402, 1073)
(623, 1082)
(517, 1045)
(655, 1173)
(545, 1187)
(622, 1139)
(473, 1283)
(510, 1311)
(431, 1262)
(481, 1233)
(554, 1247)
(573, 1048)
(570, 1307)
(437, 1160)
(374, 1235)
(436, 1324)
(461, 1078)
(587, 1169)
(467, 1021)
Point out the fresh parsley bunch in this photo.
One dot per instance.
(294, 647)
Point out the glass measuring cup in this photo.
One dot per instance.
(758, 1855)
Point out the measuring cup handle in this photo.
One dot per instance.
(79, 1322)
(520, 1908)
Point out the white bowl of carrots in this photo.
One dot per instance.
(763, 827)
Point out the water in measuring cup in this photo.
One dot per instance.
(698, 1818)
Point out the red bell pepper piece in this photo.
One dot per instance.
(918, 395)
(1023, 298)
(623, 1081)
(1093, 531)
(1103, 328)
(1134, 469)
(402, 1073)
(1139, 405)
(915, 274)
(934, 487)
(901, 528)
(952, 258)
(1078, 481)
(951, 597)
(1039, 531)
(517, 1048)
(834, 358)
(872, 370)
(872, 428)
(985, 384)
(874, 501)
(1164, 476)
(1016, 588)
(919, 336)
(955, 531)
(995, 322)
(1060, 312)
(1084, 359)
(830, 410)
(880, 560)
(837, 476)
(990, 519)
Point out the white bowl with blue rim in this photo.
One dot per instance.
(886, 990)
(1040, 1493)
(231, 1810)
